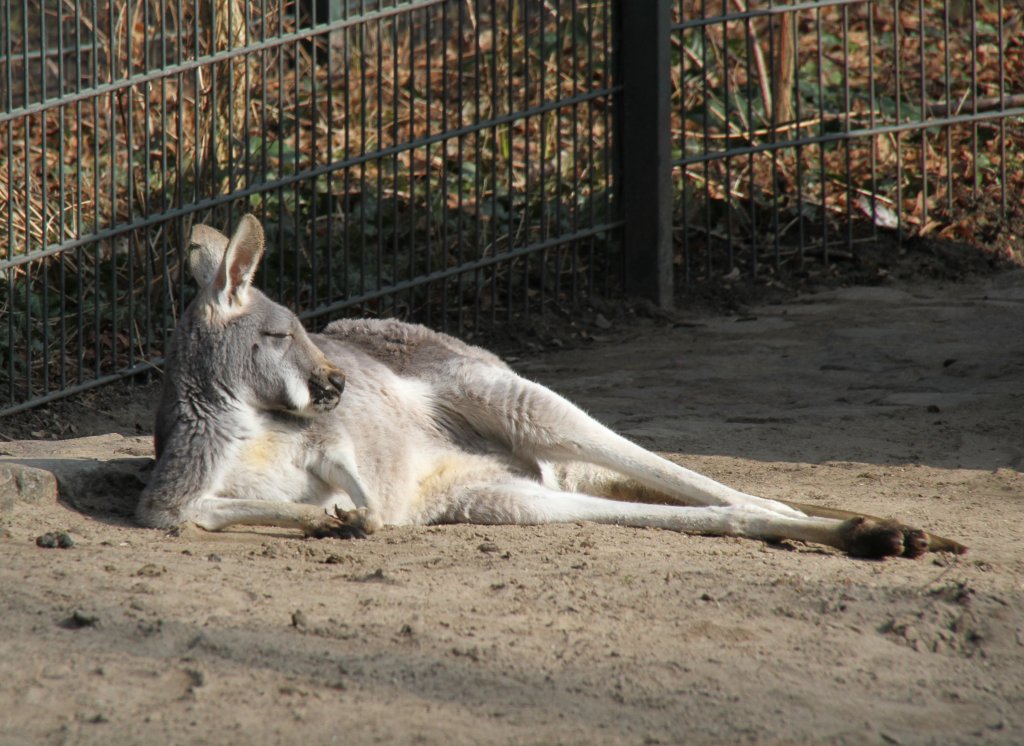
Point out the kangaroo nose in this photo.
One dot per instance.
(337, 380)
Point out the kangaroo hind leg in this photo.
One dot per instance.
(865, 535)
(520, 501)
(537, 424)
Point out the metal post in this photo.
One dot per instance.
(645, 151)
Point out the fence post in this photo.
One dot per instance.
(645, 150)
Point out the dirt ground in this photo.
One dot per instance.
(902, 399)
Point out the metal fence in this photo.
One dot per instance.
(467, 163)
(442, 161)
(799, 129)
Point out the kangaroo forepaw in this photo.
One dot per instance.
(874, 539)
(342, 524)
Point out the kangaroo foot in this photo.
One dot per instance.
(342, 524)
(874, 538)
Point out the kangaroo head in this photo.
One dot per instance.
(242, 344)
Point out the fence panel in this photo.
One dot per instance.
(443, 161)
(801, 128)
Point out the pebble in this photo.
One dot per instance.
(51, 540)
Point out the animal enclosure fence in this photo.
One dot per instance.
(801, 128)
(467, 163)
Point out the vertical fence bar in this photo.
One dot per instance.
(683, 144)
(798, 153)
(752, 75)
(1000, 60)
(974, 98)
(947, 81)
(8, 213)
(872, 111)
(922, 32)
(897, 52)
(645, 151)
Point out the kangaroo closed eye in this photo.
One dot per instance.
(278, 335)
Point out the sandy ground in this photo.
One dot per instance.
(899, 400)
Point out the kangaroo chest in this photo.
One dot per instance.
(271, 465)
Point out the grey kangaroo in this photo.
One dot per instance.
(378, 422)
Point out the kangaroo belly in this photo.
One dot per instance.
(439, 480)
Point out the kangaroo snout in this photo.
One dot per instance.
(325, 387)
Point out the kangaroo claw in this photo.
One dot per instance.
(342, 524)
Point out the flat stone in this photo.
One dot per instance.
(25, 483)
(102, 474)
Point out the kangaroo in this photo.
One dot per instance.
(379, 422)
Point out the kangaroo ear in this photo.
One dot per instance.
(206, 247)
(241, 258)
